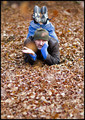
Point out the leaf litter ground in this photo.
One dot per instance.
(42, 91)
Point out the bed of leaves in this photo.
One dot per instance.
(42, 91)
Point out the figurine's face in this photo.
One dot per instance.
(40, 43)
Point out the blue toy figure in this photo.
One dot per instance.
(35, 23)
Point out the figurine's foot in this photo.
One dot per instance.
(36, 14)
(44, 13)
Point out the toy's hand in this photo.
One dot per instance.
(44, 51)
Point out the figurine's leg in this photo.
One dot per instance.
(33, 26)
(51, 29)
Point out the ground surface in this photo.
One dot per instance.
(42, 91)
